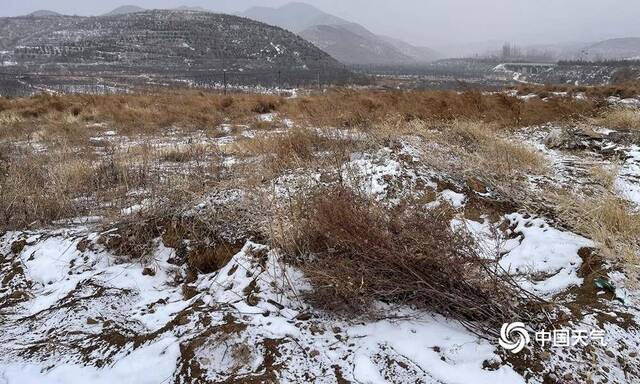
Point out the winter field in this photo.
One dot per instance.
(344, 236)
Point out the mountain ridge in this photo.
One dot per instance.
(124, 10)
(44, 13)
(612, 49)
(349, 42)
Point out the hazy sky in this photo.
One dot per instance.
(427, 22)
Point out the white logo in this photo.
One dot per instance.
(514, 337)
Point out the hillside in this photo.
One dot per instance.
(43, 13)
(351, 48)
(172, 43)
(295, 17)
(349, 42)
(612, 49)
(125, 9)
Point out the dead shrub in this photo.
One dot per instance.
(264, 105)
(4, 104)
(355, 253)
(207, 242)
(132, 239)
(204, 242)
(226, 102)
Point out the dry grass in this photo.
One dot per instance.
(606, 218)
(356, 253)
(623, 89)
(295, 148)
(72, 117)
(39, 188)
(363, 109)
(610, 222)
(136, 114)
(491, 152)
(185, 154)
(10, 118)
(619, 118)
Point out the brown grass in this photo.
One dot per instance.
(362, 109)
(72, 116)
(606, 218)
(619, 118)
(623, 89)
(295, 148)
(356, 253)
(137, 113)
(38, 188)
(186, 154)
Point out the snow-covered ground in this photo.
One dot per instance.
(72, 311)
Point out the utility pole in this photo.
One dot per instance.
(279, 79)
(224, 77)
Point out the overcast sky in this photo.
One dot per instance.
(426, 22)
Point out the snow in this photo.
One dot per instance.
(446, 351)
(441, 350)
(48, 262)
(372, 172)
(151, 364)
(267, 117)
(627, 183)
(628, 102)
(456, 200)
(132, 209)
(544, 259)
(544, 251)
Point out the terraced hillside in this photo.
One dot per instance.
(174, 43)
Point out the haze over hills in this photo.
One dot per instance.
(124, 10)
(349, 42)
(43, 13)
(167, 42)
(295, 17)
(623, 48)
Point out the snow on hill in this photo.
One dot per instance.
(169, 42)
